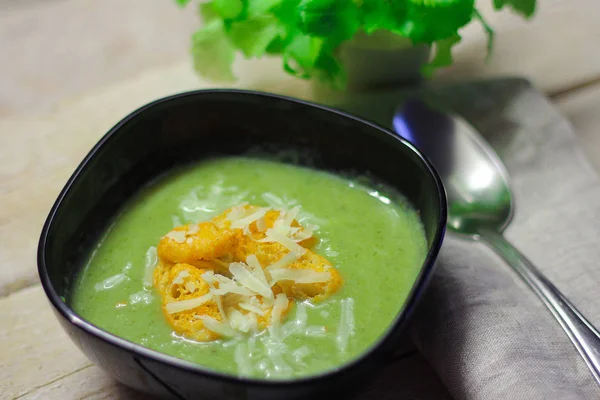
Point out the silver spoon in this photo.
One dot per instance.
(480, 206)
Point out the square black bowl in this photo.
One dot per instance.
(188, 127)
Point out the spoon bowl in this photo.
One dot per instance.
(480, 207)
(477, 184)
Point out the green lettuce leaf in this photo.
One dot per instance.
(207, 13)
(301, 55)
(328, 69)
(336, 20)
(213, 53)
(308, 33)
(428, 21)
(253, 36)
(524, 7)
(228, 9)
(259, 7)
(382, 14)
(443, 54)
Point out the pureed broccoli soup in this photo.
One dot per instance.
(254, 268)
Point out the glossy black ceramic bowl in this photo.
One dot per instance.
(185, 128)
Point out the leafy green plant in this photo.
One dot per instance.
(307, 33)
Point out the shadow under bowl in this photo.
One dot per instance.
(189, 127)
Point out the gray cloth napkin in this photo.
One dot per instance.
(482, 330)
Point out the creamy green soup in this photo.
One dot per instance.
(372, 236)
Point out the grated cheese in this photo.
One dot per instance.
(141, 297)
(178, 236)
(190, 287)
(183, 305)
(315, 331)
(216, 326)
(150, 264)
(280, 305)
(227, 285)
(236, 213)
(238, 321)
(299, 354)
(290, 216)
(111, 282)
(208, 277)
(256, 269)
(247, 220)
(243, 276)
(346, 326)
(242, 359)
(283, 262)
(299, 275)
(276, 236)
(261, 224)
(249, 307)
(180, 276)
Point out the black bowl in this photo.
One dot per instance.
(188, 127)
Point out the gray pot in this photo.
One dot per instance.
(378, 61)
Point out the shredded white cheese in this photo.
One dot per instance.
(299, 355)
(227, 285)
(242, 359)
(243, 276)
(279, 307)
(283, 262)
(289, 216)
(238, 321)
(208, 277)
(111, 282)
(150, 264)
(236, 213)
(141, 297)
(302, 235)
(256, 269)
(261, 224)
(183, 305)
(274, 235)
(315, 331)
(190, 287)
(216, 326)
(180, 276)
(178, 236)
(346, 326)
(299, 275)
(252, 308)
(246, 221)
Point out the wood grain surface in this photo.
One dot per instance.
(72, 68)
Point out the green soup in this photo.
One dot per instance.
(372, 236)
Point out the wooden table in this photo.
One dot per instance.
(67, 77)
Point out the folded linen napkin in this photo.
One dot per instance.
(482, 330)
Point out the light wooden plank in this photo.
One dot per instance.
(34, 349)
(581, 107)
(57, 49)
(407, 379)
(89, 383)
(40, 362)
(557, 50)
(36, 163)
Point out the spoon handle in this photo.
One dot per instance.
(581, 332)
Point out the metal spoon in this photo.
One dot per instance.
(480, 206)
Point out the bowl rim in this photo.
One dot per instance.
(79, 322)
